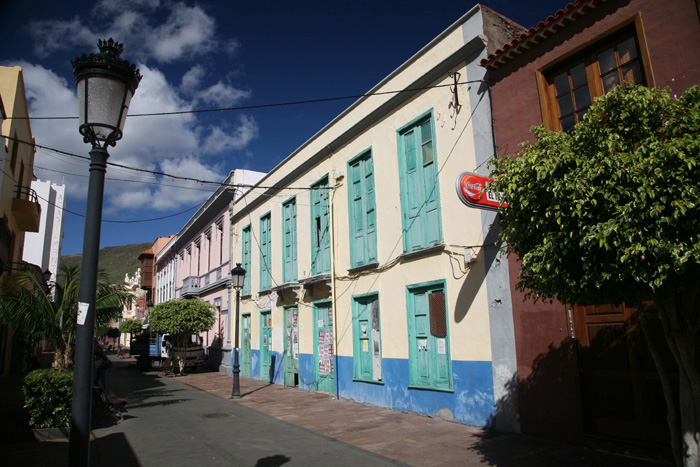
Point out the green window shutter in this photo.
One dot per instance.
(320, 234)
(265, 256)
(290, 240)
(370, 212)
(363, 219)
(420, 200)
(245, 257)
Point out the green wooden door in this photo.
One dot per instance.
(245, 346)
(324, 379)
(266, 346)
(368, 357)
(429, 352)
(291, 348)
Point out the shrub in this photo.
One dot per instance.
(48, 394)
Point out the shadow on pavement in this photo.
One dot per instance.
(272, 461)
(113, 450)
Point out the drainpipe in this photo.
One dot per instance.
(333, 294)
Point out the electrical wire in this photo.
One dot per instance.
(262, 106)
(106, 220)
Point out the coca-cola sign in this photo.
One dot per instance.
(472, 190)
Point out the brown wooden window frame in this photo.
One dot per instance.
(587, 54)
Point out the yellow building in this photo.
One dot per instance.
(367, 276)
(19, 207)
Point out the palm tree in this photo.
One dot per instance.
(36, 314)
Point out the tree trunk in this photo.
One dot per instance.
(679, 316)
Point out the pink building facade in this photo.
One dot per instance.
(196, 264)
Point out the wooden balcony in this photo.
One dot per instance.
(26, 209)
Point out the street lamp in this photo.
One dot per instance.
(106, 84)
(237, 278)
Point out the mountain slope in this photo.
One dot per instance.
(115, 261)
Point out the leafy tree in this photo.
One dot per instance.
(180, 319)
(130, 326)
(610, 213)
(37, 315)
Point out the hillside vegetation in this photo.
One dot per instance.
(115, 261)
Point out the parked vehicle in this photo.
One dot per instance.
(150, 348)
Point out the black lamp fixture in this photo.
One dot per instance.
(106, 84)
(47, 276)
(237, 279)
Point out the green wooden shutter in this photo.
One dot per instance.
(290, 240)
(265, 257)
(320, 237)
(420, 198)
(370, 212)
(415, 194)
(357, 223)
(245, 257)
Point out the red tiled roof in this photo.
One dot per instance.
(146, 253)
(542, 31)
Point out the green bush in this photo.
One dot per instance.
(48, 394)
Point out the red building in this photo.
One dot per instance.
(569, 384)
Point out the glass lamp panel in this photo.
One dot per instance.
(237, 280)
(81, 102)
(127, 102)
(105, 97)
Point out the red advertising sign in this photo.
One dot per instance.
(471, 189)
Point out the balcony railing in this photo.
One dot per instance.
(26, 209)
(190, 286)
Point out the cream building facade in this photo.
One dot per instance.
(355, 247)
(20, 211)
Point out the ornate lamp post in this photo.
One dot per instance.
(106, 84)
(237, 278)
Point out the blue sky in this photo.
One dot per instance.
(208, 55)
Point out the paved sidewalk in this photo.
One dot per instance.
(409, 438)
(191, 420)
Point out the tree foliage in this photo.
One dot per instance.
(37, 315)
(610, 213)
(611, 210)
(130, 326)
(180, 318)
(191, 316)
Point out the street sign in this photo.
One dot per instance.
(471, 190)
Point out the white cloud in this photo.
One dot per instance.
(192, 79)
(222, 95)
(187, 31)
(165, 32)
(223, 139)
(173, 144)
(53, 35)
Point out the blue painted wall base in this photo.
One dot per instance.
(470, 402)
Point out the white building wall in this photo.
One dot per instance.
(43, 248)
